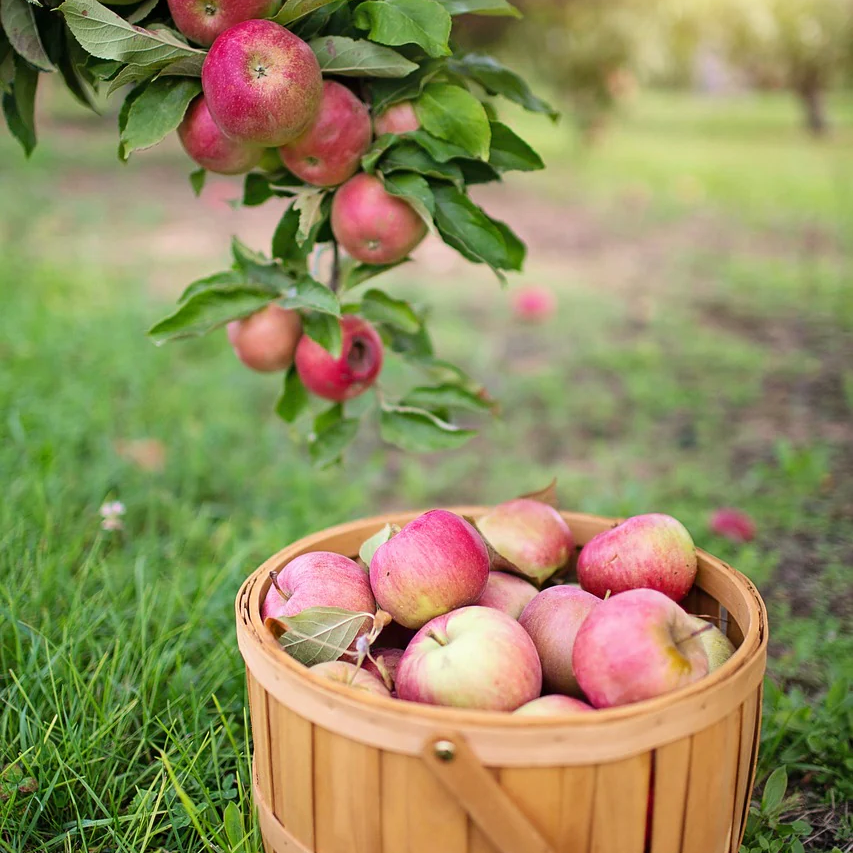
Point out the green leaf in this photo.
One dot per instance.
(416, 191)
(157, 112)
(447, 397)
(774, 790)
(208, 310)
(326, 20)
(348, 57)
(418, 431)
(415, 347)
(379, 307)
(19, 22)
(325, 330)
(81, 81)
(142, 11)
(359, 273)
(309, 204)
(186, 66)
(409, 157)
(454, 114)
(320, 634)
(439, 149)
(481, 7)
(307, 293)
(197, 179)
(377, 151)
(130, 74)
(284, 245)
(294, 397)
(497, 79)
(328, 444)
(466, 228)
(424, 23)
(19, 105)
(227, 280)
(256, 190)
(293, 10)
(516, 250)
(105, 34)
(232, 820)
(386, 93)
(509, 152)
(371, 545)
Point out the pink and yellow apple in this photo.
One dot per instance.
(210, 148)
(474, 657)
(552, 620)
(399, 118)
(266, 341)
(554, 705)
(645, 552)
(507, 593)
(330, 151)
(372, 225)
(532, 538)
(262, 84)
(351, 676)
(436, 563)
(635, 646)
(385, 668)
(202, 21)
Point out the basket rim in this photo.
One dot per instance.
(251, 629)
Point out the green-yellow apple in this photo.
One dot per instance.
(637, 645)
(474, 657)
(554, 705)
(266, 341)
(717, 645)
(507, 593)
(651, 551)
(351, 676)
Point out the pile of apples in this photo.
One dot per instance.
(488, 617)
(265, 103)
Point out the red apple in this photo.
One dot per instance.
(554, 705)
(553, 620)
(262, 83)
(474, 657)
(637, 645)
(399, 118)
(319, 579)
(507, 593)
(202, 21)
(350, 675)
(210, 147)
(732, 524)
(266, 341)
(532, 536)
(330, 151)
(436, 563)
(533, 304)
(352, 372)
(648, 551)
(385, 668)
(372, 225)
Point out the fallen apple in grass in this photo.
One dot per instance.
(718, 647)
(552, 620)
(531, 537)
(202, 21)
(372, 225)
(319, 579)
(436, 563)
(474, 657)
(554, 705)
(330, 151)
(351, 676)
(262, 84)
(507, 593)
(534, 304)
(635, 646)
(347, 375)
(651, 551)
(267, 340)
(732, 524)
(210, 148)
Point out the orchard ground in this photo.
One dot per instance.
(701, 356)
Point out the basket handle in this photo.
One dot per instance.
(454, 764)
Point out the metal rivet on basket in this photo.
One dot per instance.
(445, 750)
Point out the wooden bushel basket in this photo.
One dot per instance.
(337, 772)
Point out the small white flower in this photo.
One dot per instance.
(111, 513)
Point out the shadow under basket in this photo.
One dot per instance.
(340, 772)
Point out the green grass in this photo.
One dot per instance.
(725, 380)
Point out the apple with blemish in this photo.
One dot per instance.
(201, 21)
(262, 83)
(474, 657)
(436, 563)
(347, 375)
(554, 705)
(372, 225)
(330, 151)
(507, 593)
(651, 551)
(637, 645)
(532, 538)
(266, 341)
(399, 118)
(552, 620)
(349, 675)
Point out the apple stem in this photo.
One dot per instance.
(607, 594)
(433, 636)
(707, 616)
(281, 592)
